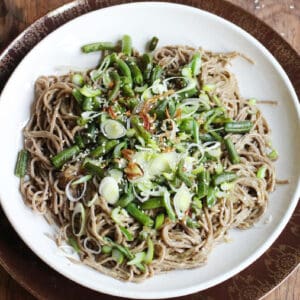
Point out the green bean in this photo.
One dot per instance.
(168, 206)
(101, 46)
(216, 112)
(150, 252)
(196, 64)
(156, 73)
(261, 172)
(160, 110)
(211, 197)
(82, 179)
(140, 129)
(87, 104)
(77, 79)
(89, 91)
(221, 120)
(77, 95)
(62, 157)
(79, 141)
(224, 177)
(153, 43)
(172, 107)
(216, 136)
(127, 90)
(187, 93)
(181, 174)
(233, 155)
(136, 72)
(92, 167)
(117, 256)
(126, 198)
(124, 69)
(91, 131)
(203, 185)
(104, 148)
(152, 203)
(187, 125)
(21, 164)
(139, 215)
(126, 45)
(147, 65)
(159, 221)
(238, 126)
(206, 137)
(117, 84)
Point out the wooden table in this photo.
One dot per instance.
(282, 15)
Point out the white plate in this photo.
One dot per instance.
(173, 24)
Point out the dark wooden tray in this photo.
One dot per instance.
(252, 283)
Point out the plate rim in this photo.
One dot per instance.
(184, 3)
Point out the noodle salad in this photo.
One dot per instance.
(145, 162)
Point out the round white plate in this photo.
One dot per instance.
(173, 24)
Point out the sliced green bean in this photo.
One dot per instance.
(104, 148)
(87, 104)
(153, 43)
(128, 235)
(168, 206)
(139, 215)
(140, 129)
(159, 221)
(118, 148)
(211, 197)
(78, 96)
(224, 177)
(92, 167)
(156, 73)
(147, 65)
(100, 46)
(152, 203)
(126, 198)
(261, 172)
(77, 79)
(127, 45)
(106, 249)
(192, 223)
(196, 64)
(203, 185)
(21, 164)
(196, 131)
(117, 84)
(89, 91)
(124, 70)
(233, 155)
(62, 157)
(79, 141)
(136, 72)
(150, 252)
(238, 126)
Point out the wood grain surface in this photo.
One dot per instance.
(282, 15)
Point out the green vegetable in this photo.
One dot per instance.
(152, 203)
(168, 206)
(136, 72)
(211, 197)
(89, 91)
(21, 164)
(101, 46)
(203, 183)
(62, 157)
(104, 148)
(117, 84)
(128, 235)
(138, 258)
(261, 172)
(156, 73)
(159, 221)
(87, 104)
(182, 175)
(150, 252)
(77, 79)
(117, 256)
(153, 43)
(238, 126)
(126, 45)
(233, 155)
(224, 177)
(82, 179)
(79, 141)
(124, 250)
(73, 243)
(126, 198)
(273, 155)
(106, 249)
(196, 64)
(147, 65)
(140, 129)
(192, 223)
(139, 215)
(92, 167)
(77, 95)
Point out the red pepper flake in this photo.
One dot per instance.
(146, 120)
